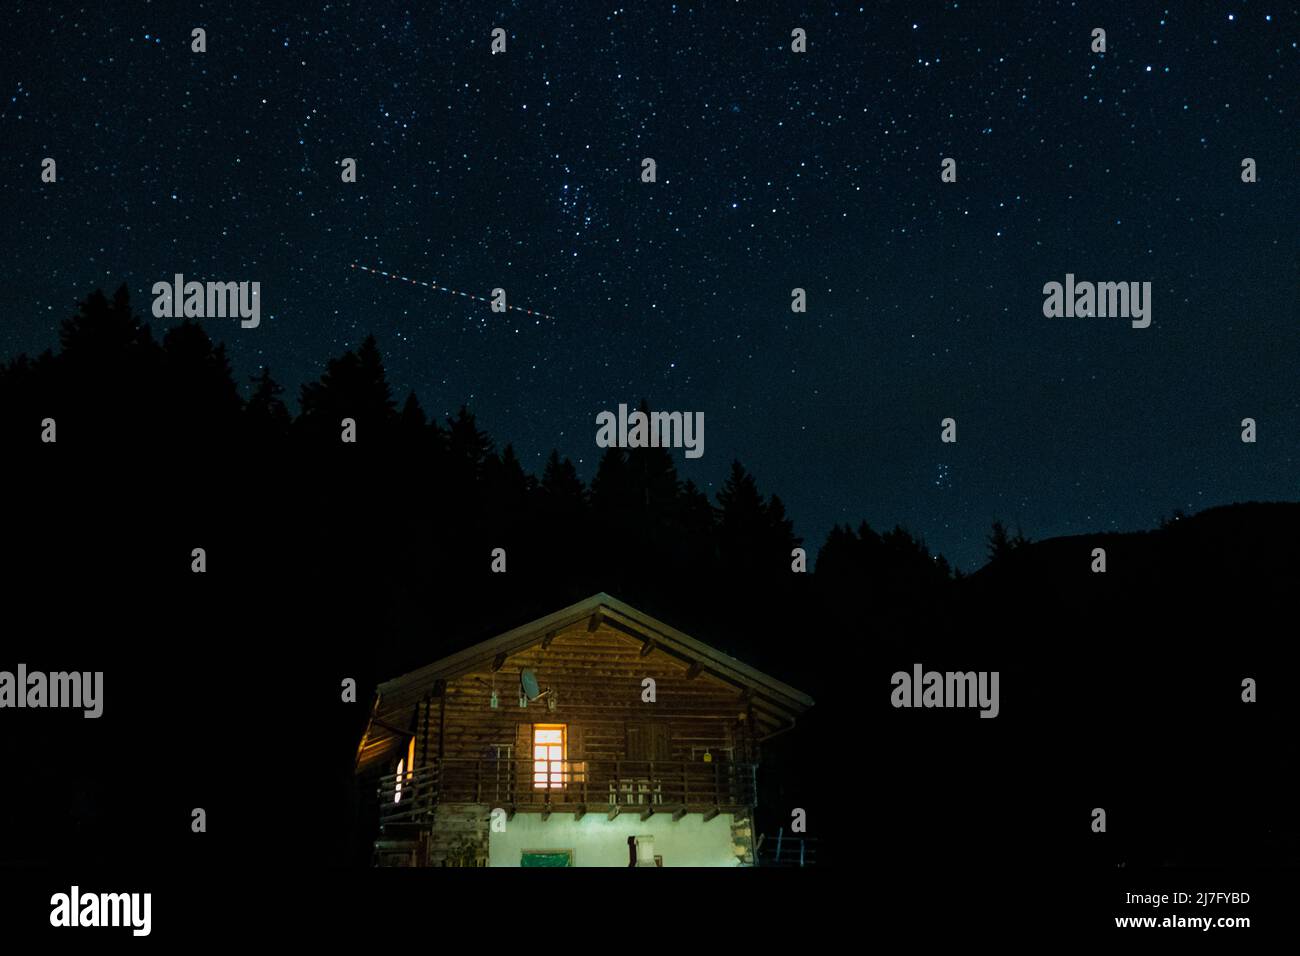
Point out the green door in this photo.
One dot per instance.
(547, 858)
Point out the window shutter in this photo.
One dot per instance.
(636, 744)
(659, 744)
(574, 734)
(648, 741)
(577, 753)
(523, 759)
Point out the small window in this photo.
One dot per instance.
(548, 755)
(405, 767)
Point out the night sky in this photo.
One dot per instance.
(776, 170)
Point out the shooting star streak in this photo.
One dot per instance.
(443, 288)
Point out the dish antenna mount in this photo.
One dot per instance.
(530, 692)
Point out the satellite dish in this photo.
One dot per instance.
(528, 684)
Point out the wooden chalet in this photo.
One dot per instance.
(541, 747)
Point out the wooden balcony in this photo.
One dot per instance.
(786, 849)
(612, 787)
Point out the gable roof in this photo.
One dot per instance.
(395, 699)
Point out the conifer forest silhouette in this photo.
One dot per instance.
(328, 560)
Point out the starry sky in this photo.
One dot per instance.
(775, 170)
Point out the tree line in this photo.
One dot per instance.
(433, 497)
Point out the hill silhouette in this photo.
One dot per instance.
(327, 559)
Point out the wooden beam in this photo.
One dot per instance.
(579, 813)
(646, 648)
(546, 813)
(440, 687)
(594, 623)
(510, 813)
(424, 730)
(647, 813)
(710, 814)
(694, 670)
(442, 722)
(396, 730)
(614, 811)
(546, 641)
(499, 662)
(679, 813)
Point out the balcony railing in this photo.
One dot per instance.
(644, 787)
(786, 849)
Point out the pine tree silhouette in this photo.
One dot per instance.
(267, 418)
(365, 550)
(353, 386)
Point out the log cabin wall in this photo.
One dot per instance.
(597, 678)
(459, 836)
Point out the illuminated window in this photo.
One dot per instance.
(404, 768)
(548, 755)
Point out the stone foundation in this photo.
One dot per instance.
(742, 839)
(459, 836)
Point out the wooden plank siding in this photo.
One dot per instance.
(603, 648)
(622, 754)
(597, 677)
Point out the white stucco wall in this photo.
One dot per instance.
(598, 841)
